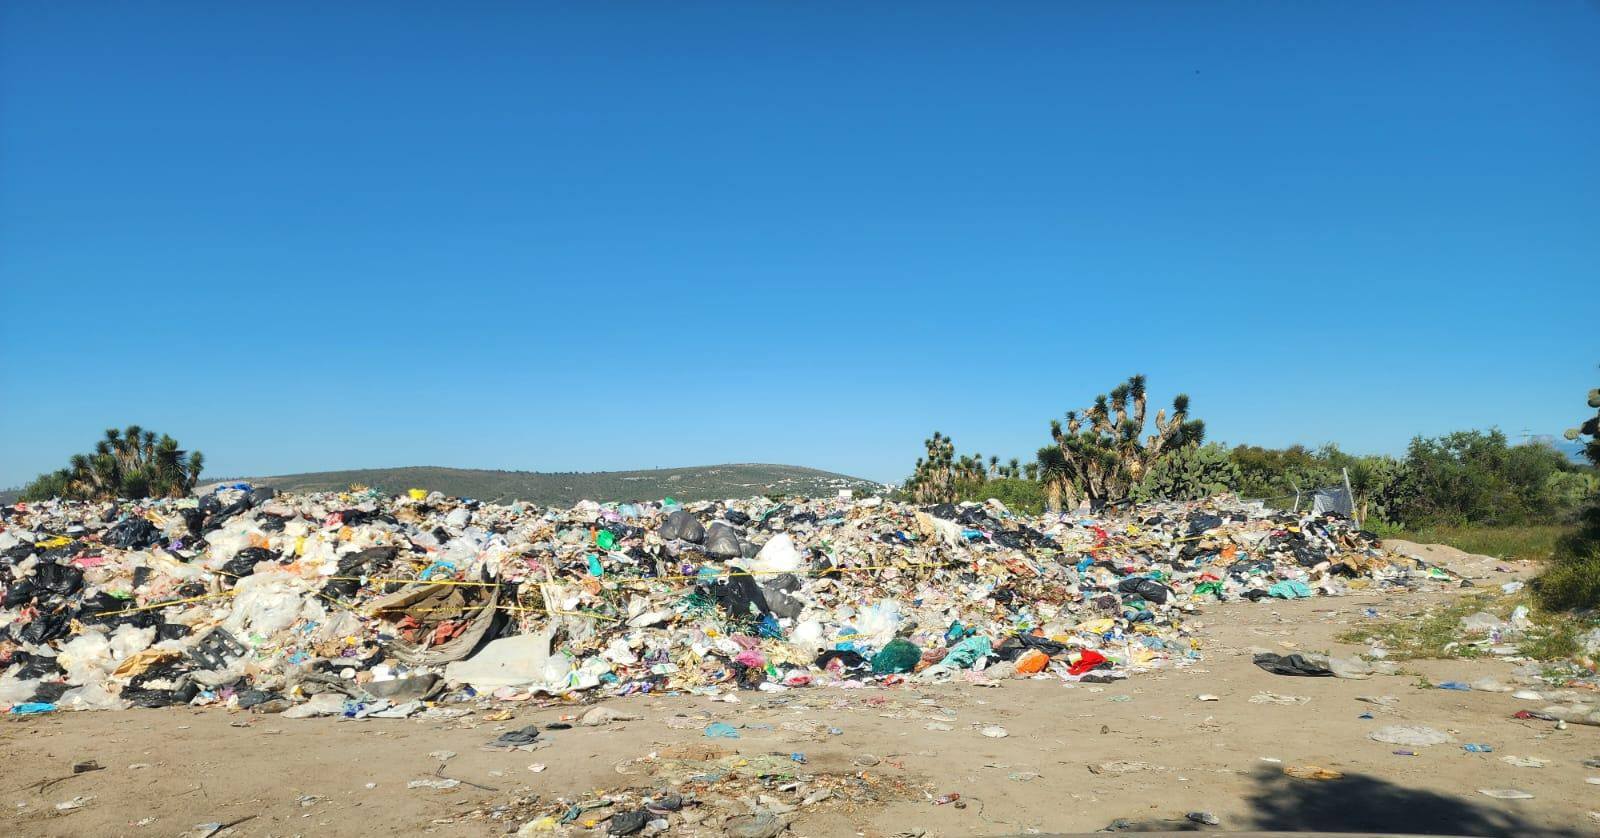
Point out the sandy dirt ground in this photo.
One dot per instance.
(1076, 757)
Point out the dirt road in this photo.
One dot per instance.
(1075, 758)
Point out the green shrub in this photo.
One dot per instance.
(1019, 495)
(1190, 473)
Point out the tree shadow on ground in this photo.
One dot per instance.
(1362, 803)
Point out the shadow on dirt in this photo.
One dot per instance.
(1361, 803)
(1358, 804)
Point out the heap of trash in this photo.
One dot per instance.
(365, 605)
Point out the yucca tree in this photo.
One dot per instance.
(1051, 469)
(934, 479)
(1372, 479)
(1098, 455)
(132, 463)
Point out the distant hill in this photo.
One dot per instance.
(1573, 450)
(557, 488)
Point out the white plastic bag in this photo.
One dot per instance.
(779, 555)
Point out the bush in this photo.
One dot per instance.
(1192, 473)
(1476, 477)
(1573, 581)
(1024, 496)
(46, 486)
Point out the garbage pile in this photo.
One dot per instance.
(364, 605)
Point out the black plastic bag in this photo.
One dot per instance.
(172, 631)
(1049, 647)
(58, 579)
(133, 534)
(244, 562)
(740, 596)
(850, 660)
(49, 692)
(776, 591)
(193, 520)
(722, 542)
(34, 667)
(355, 565)
(1144, 586)
(20, 592)
(680, 525)
(149, 698)
(45, 627)
(215, 520)
(1291, 665)
(105, 609)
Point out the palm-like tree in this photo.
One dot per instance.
(1098, 454)
(132, 463)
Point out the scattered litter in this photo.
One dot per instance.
(1524, 762)
(433, 783)
(605, 715)
(1275, 698)
(1312, 772)
(1121, 767)
(1413, 735)
(525, 738)
(722, 730)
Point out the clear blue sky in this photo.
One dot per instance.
(610, 235)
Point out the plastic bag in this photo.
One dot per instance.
(778, 555)
(90, 697)
(266, 605)
(680, 525)
(877, 623)
(1148, 588)
(722, 542)
(133, 534)
(968, 652)
(14, 690)
(86, 658)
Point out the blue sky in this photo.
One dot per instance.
(599, 235)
